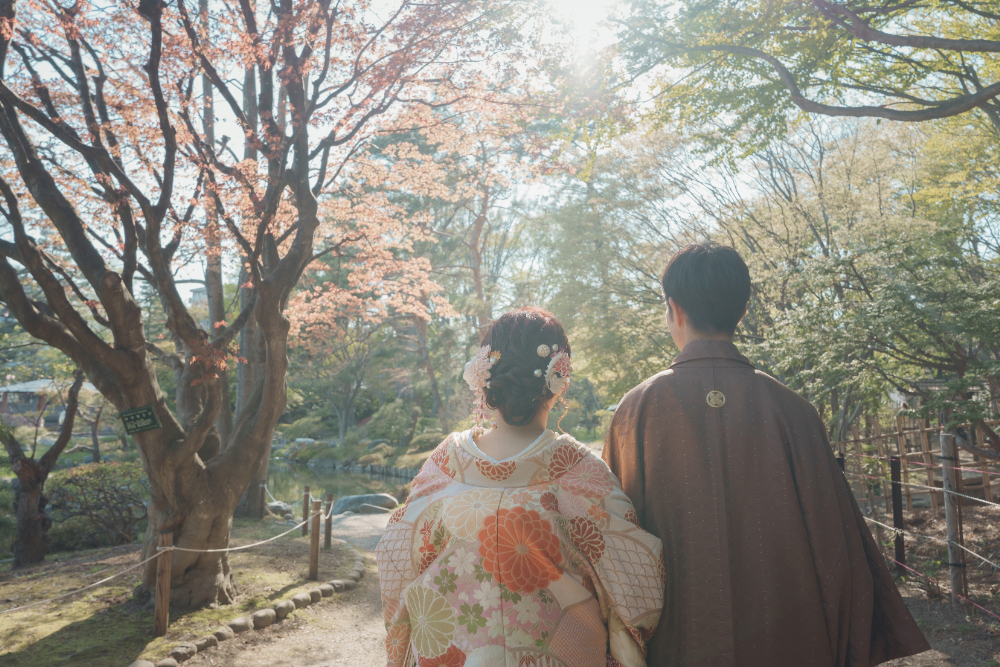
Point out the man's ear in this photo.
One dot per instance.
(675, 311)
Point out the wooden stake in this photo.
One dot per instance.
(327, 537)
(949, 458)
(897, 512)
(901, 447)
(928, 462)
(886, 492)
(314, 541)
(263, 499)
(987, 487)
(161, 614)
(305, 511)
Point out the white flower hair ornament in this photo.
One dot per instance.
(558, 372)
(477, 376)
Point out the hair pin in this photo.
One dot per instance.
(543, 350)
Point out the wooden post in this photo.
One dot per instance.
(327, 537)
(928, 462)
(897, 512)
(886, 491)
(314, 541)
(901, 446)
(987, 488)
(161, 614)
(864, 480)
(305, 511)
(949, 459)
(263, 499)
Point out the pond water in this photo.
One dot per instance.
(286, 482)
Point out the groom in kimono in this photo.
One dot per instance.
(768, 559)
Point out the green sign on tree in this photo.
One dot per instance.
(141, 419)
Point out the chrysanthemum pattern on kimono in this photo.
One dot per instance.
(536, 561)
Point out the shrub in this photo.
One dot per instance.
(383, 449)
(390, 421)
(427, 440)
(96, 505)
(373, 459)
(307, 427)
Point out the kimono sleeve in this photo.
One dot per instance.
(628, 564)
(395, 573)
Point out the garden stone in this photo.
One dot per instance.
(338, 586)
(315, 595)
(183, 652)
(279, 507)
(224, 633)
(167, 662)
(142, 663)
(264, 618)
(326, 590)
(304, 442)
(88, 458)
(302, 600)
(283, 609)
(352, 503)
(373, 509)
(203, 643)
(350, 585)
(241, 624)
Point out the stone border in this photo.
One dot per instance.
(263, 618)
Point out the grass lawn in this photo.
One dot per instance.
(105, 627)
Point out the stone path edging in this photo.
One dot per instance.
(263, 618)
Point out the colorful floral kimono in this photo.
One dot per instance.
(532, 562)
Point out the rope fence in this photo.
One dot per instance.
(165, 545)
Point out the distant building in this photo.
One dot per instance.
(199, 297)
(21, 403)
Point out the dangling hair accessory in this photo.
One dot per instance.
(558, 371)
(477, 376)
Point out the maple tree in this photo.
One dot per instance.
(114, 178)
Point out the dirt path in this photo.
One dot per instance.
(347, 631)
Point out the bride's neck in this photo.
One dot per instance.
(507, 440)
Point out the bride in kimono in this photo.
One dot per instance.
(516, 546)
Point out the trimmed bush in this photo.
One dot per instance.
(373, 459)
(96, 505)
(390, 421)
(307, 427)
(427, 440)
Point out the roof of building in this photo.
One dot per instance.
(42, 386)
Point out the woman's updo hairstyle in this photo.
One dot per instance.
(514, 389)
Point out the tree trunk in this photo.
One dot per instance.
(32, 540)
(95, 440)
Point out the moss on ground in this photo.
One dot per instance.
(105, 627)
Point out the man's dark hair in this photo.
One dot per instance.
(711, 283)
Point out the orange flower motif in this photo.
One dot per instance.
(550, 502)
(597, 512)
(497, 472)
(588, 538)
(453, 657)
(631, 516)
(520, 549)
(563, 459)
(396, 642)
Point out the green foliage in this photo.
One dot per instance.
(372, 459)
(101, 504)
(391, 421)
(426, 440)
(306, 427)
